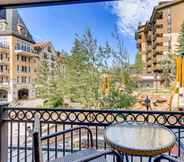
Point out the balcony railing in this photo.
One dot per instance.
(17, 123)
(4, 46)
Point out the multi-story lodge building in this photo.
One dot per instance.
(47, 53)
(158, 36)
(19, 57)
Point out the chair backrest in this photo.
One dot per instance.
(37, 151)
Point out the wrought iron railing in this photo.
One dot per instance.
(20, 123)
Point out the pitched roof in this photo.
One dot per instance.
(41, 45)
(13, 19)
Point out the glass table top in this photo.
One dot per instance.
(139, 136)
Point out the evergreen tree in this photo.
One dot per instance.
(168, 68)
(76, 72)
(42, 83)
(90, 48)
(139, 63)
(78, 75)
(105, 55)
(46, 86)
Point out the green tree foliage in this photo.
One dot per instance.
(139, 63)
(77, 73)
(117, 100)
(43, 82)
(46, 86)
(168, 67)
(78, 76)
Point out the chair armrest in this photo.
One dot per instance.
(99, 154)
(67, 131)
(166, 157)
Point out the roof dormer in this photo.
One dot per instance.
(21, 29)
(3, 25)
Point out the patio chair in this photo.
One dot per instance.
(166, 157)
(87, 155)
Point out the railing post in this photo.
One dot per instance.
(3, 135)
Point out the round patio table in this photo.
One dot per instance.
(140, 138)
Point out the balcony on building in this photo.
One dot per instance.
(159, 48)
(4, 47)
(149, 49)
(149, 36)
(159, 23)
(26, 53)
(157, 67)
(149, 57)
(19, 122)
(159, 39)
(155, 60)
(159, 31)
(4, 72)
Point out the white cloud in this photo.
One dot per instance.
(131, 12)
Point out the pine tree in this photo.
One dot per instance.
(76, 72)
(168, 68)
(139, 63)
(42, 83)
(90, 48)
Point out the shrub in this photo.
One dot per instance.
(116, 99)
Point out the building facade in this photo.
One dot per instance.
(19, 58)
(47, 53)
(158, 37)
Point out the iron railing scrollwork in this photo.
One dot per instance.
(20, 123)
(95, 117)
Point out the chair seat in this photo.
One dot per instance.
(75, 157)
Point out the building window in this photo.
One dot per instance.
(1, 56)
(24, 58)
(6, 67)
(18, 57)
(24, 78)
(24, 46)
(3, 26)
(45, 56)
(22, 69)
(169, 21)
(25, 68)
(52, 58)
(49, 49)
(160, 16)
(29, 79)
(2, 14)
(18, 79)
(18, 68)
(4, 42)
(29, 69)
(18, 46)
(1, 68)
(21, 29)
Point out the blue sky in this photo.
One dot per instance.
(59, 24)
